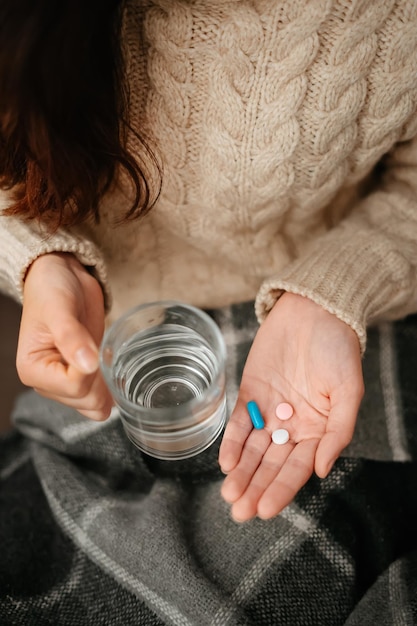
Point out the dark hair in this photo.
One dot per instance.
(64, 111)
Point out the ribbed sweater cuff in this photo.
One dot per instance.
(21, 243)
(351, 275)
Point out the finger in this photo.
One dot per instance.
(239, 478)
(75, 344)
(96, 406)
(53, 377)
(294, 473)
(98, 411)
(55, 367)
(237, 431)
(245, 507)
(339, 432)
(93, 400)
(95, 416)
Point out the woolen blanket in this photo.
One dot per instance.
(93, 532)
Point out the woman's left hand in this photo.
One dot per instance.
(307, 357)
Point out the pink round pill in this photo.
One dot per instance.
(284, 411)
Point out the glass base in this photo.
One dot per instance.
(179, 445)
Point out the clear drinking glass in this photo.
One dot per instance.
(164, 363)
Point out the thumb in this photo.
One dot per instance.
(76, 345)
(339, 433)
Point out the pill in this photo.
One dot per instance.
(255, 414)
(280, 436)
(284, 411)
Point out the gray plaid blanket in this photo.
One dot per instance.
(92, 532)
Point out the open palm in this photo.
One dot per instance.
(308, 357)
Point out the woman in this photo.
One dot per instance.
(284, 137)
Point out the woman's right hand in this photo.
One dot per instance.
(61, 328)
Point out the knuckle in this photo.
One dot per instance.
(95, 403)
(80, 388)
(101, 407)
(24, 371)
(296, 464)
(63, 332)
(95, 414)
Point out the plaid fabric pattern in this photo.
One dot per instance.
(95, 533)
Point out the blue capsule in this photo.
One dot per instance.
(255, 414)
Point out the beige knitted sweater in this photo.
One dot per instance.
(269, 118)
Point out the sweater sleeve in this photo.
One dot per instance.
(22, 242)
(364, 269)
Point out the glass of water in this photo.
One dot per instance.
(164, 363)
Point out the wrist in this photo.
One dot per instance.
(45, 266)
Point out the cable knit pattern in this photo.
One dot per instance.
(269, 119)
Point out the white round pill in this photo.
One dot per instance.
(280, 436)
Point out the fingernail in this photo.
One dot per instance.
(87, 360)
